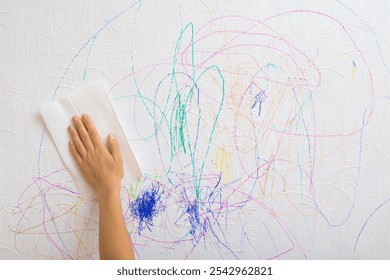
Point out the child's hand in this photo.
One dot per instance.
(102, 167)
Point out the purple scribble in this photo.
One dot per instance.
(259, 98)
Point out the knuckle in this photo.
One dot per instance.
(73, 133)
(93, 133)
(82, 132)
(78, 145)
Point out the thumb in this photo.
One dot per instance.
(114, 148)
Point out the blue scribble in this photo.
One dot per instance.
(193, 213)
(259, 98)
(147, 205)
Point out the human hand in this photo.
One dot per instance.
(102, 167)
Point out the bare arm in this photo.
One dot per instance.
(103, 169)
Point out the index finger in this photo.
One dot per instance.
(92, 131)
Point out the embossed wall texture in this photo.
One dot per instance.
(262, 127)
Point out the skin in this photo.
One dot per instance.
(103, 169)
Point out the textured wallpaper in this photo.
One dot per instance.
(262, 127)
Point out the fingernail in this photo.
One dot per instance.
(71, 127)
(111, 137)
(85, 116)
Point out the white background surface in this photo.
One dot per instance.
(304, 177)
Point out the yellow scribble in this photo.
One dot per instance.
(223, 163)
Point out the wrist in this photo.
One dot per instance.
(109, 193)
(109, 201)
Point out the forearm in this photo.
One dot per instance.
(102, 167)
(114, 241)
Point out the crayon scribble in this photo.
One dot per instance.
(241, 118)
(147, 206)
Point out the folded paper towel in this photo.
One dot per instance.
(94, 101)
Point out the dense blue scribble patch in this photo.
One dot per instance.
(147, 205)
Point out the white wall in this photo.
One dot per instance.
(278, 148)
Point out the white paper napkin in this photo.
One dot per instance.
(94, 101)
